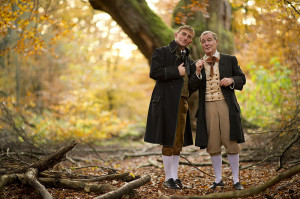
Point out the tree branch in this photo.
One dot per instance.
(126, 188)
(289, 3)
(246, 192)
(286, 149)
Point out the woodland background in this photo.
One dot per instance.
(69, 72)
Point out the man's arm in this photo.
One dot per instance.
(157, 69)
(238, 79)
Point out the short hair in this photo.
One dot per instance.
(186, 27)
(207, 32)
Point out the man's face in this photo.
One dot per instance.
(209, 44)
(184, 38)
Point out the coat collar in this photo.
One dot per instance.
(173, 47)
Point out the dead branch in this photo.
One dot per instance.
(196, 167)
(294, 8)
(103, 150)
(247, 192)
(8, 179)
(110, 170)
(76, 185)
(48, 161)
(152, 162)
(258, 163)
(146, 154)
(31, 179)
(126, 188)
(192, 164)
(286, 149)
(9, 120)
(121, 176)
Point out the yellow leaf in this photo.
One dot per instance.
(132, 174)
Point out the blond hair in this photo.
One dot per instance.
(186, 27)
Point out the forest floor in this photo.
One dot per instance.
(112, 155)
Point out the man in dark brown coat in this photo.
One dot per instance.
(168, 122)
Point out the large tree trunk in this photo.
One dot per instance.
(139, 22)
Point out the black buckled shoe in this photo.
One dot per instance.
(170, 183)
(178, 182)
(214, 185)
(238, 186)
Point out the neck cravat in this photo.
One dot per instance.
(211, 61)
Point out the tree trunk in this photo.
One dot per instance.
(139, 22)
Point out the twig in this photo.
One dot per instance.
(292, 6)
(196, 167)
(260, 162)
(286, 149)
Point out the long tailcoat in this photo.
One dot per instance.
(228, 67)
(164, 103)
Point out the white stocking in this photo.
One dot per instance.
(234, 165)
(175, 166)
(217, 165)
(167, 162)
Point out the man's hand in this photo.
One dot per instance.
(226, 81)
(181, 69)
(199, 66)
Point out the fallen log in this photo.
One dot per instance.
(126, 188)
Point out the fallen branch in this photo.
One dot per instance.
(121, 176)
(126, 188)
(258, 163)
(196, 167)
(146, 154)
(48, 161)
(246, 192)
(76, 185)
(8, 179)
(31, 179)
(153, 163)
(286, 149)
